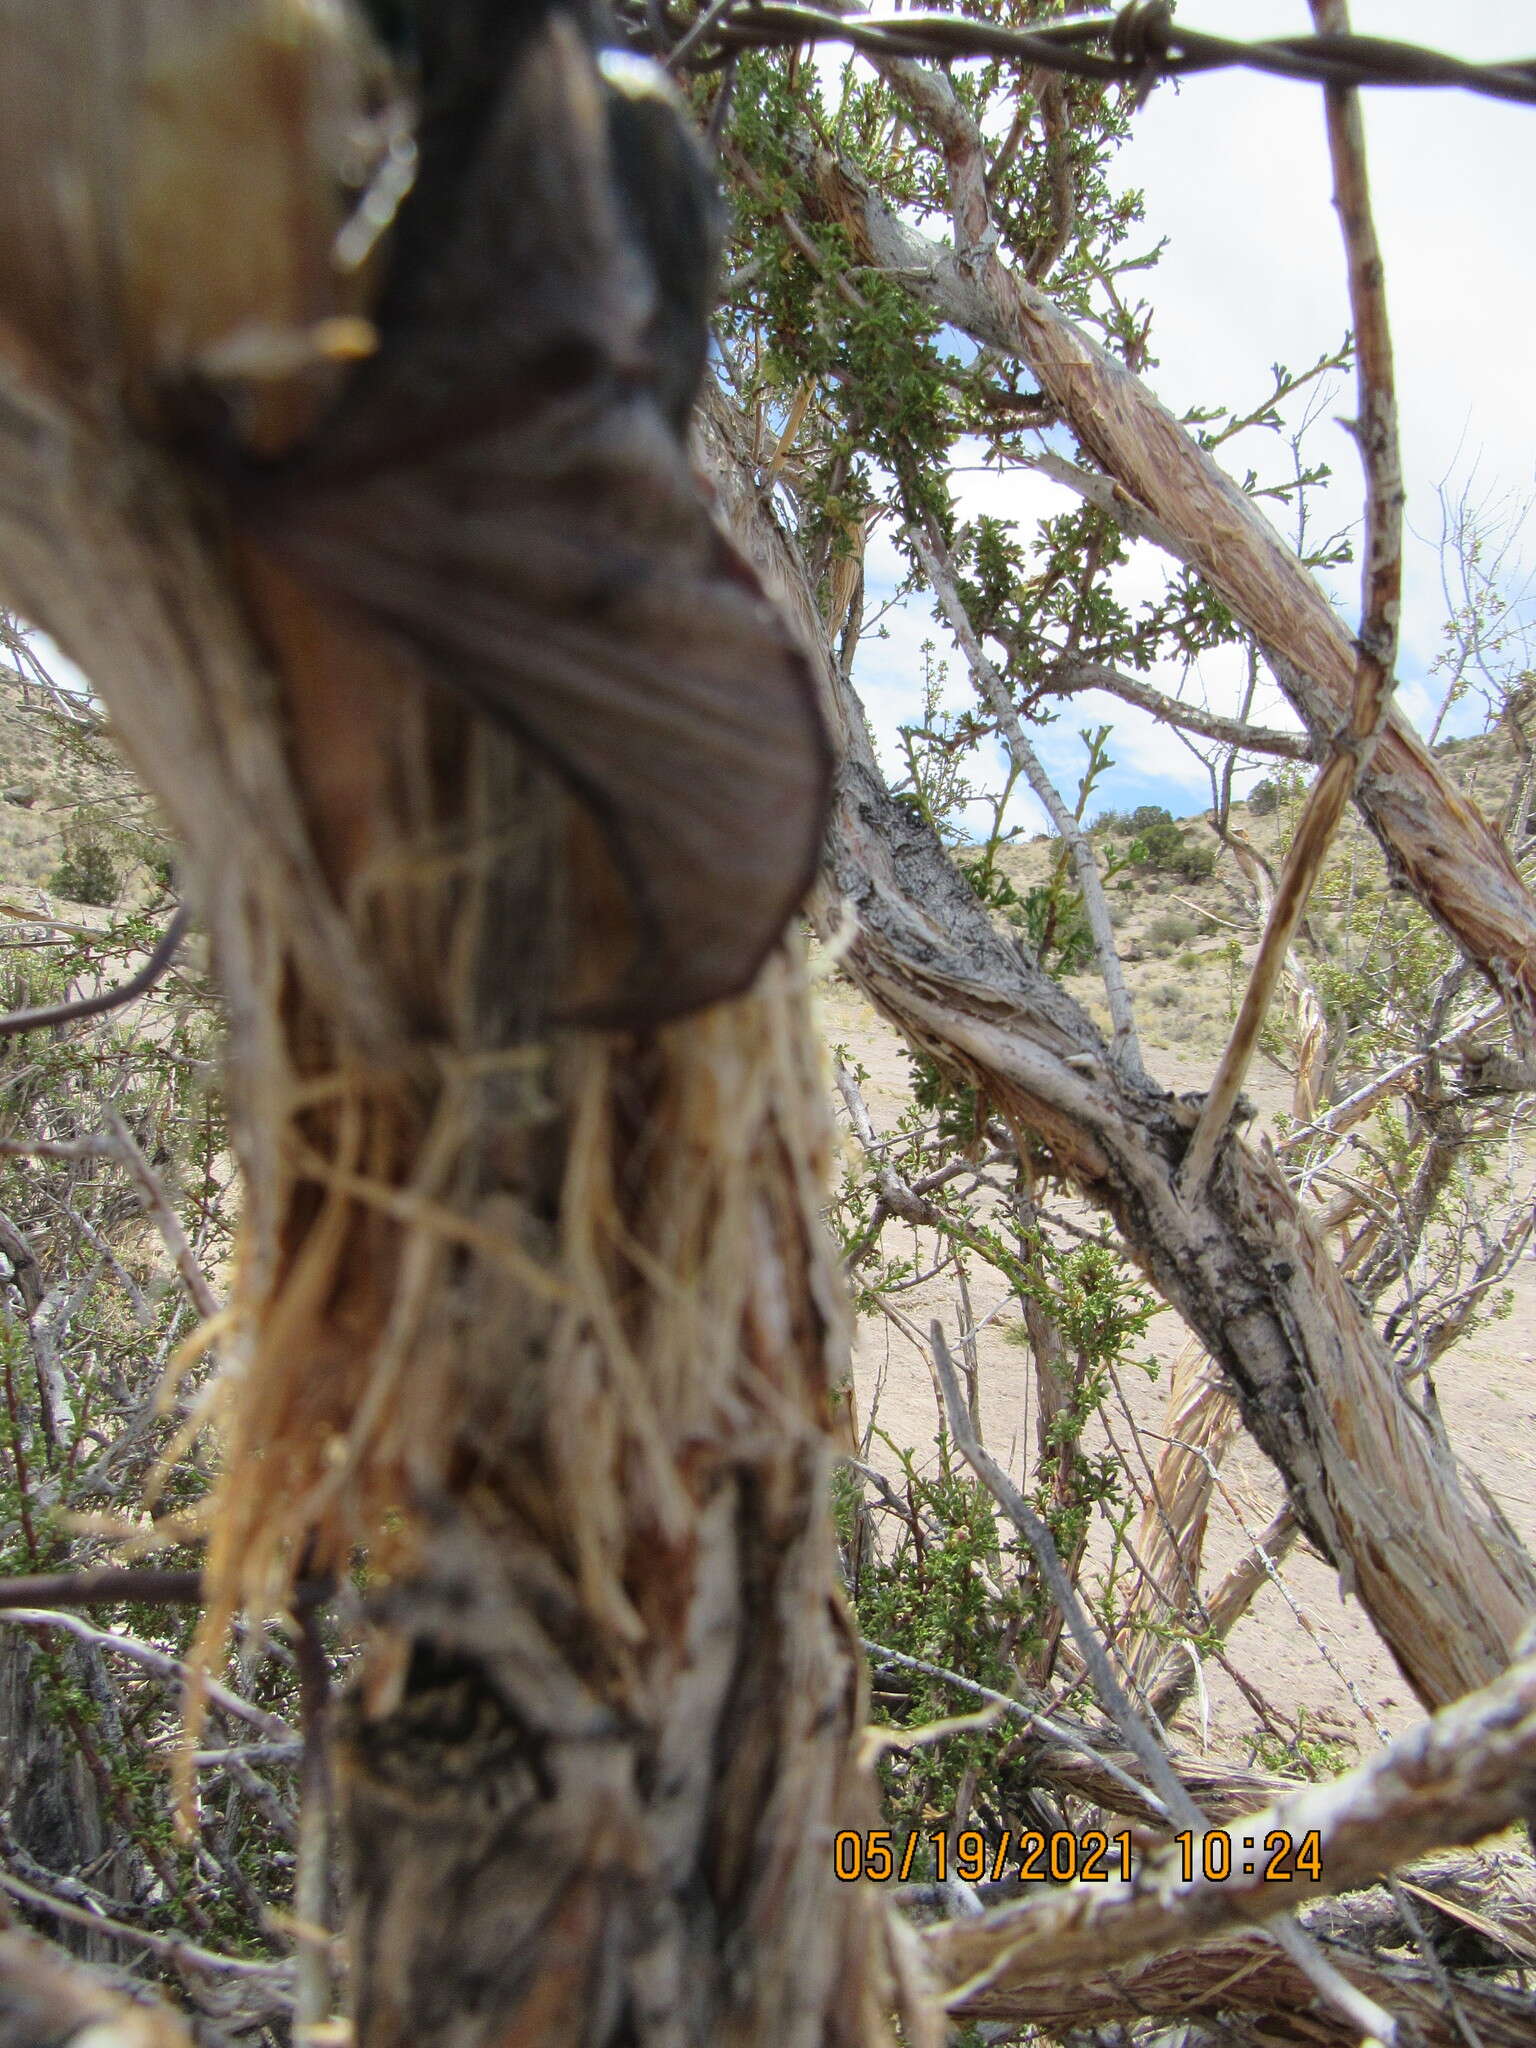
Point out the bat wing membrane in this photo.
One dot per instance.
(587, 601)
(504, 496)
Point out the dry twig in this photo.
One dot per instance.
(1460, 1776)
(165, 951)
(940, 572)
(1376, 432)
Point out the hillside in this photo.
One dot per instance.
(1187, 943)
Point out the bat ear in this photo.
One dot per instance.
(541, 203)
(512, 269)
(673, 209)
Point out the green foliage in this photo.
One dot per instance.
(1284, 791)
(80, 1428)
(1167, 848)
(935, 1578)
(1171, 928)
(1159, 845)
(1381, 983)
(1303, 1755)
(942, 1593)
(1056, 928)
(1232, 956)
(87, 873)
(1101, 1308)
(869, 348)
(937, 1093)
(936, 1595)
(1150, 818)
(990, 885)
(934, 751)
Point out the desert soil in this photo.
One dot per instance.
(1486, 1384)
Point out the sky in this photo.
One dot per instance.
(1234, 169)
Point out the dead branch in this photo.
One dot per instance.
(1440, 846)
(1068, 678)
(1230, 1600)
(160, 1662)
(1085, 1754)
(164, 952)
(1246, 1974)
(940, 572)
(1311, 1018)
(1376, 432)
(103, 1585)
(1461, 1775)
(1356, 1107)
(1372, 1484)
(161, 1211)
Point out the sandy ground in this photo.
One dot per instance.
(1487, 1389)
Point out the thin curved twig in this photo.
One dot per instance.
(166, 949)
(1376, 647)
(1155, 47)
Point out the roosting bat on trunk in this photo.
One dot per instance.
(502, 491)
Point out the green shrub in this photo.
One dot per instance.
(1056, 929)
(1147, 817)
(87, 873)
(1167, 848)
(1161, 842)
(1172, 928)
(1264, 797)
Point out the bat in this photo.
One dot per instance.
(502, 491)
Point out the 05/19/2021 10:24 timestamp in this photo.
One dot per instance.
(1065, 1858)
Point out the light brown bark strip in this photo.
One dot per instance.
(1170, 1535)
(1376, 433)
(1437, 842)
